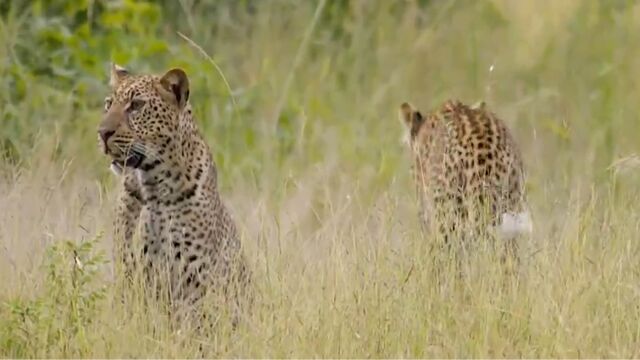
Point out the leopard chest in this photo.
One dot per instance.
(177, 232)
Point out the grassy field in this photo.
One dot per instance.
(307, 141)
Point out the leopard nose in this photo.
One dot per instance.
(105, 134)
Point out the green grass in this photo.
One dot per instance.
(311, 163)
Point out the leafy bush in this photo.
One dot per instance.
(58, 319)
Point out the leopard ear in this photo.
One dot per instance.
(175, 84)
(118, 73)
(409, 114)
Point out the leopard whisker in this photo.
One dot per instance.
(146, 151)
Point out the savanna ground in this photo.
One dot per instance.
(307, 142)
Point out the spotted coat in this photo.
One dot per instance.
(467, 168)
(189, 244)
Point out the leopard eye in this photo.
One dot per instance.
(107, 103)
(135, 105)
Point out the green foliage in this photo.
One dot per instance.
(58, 320)
(61, 60)
(54, 77)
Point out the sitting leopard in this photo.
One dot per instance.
(169, 192)
(467, 170)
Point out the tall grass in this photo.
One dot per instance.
(310, 161)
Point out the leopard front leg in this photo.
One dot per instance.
(125, 224)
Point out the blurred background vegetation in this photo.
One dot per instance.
(565, 70)
(308, 145)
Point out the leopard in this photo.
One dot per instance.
(468, 172)
(170, 223)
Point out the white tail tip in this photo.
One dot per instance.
(512, 225)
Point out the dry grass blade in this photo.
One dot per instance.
(625, 164)
(215, 65)
(302, 49)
